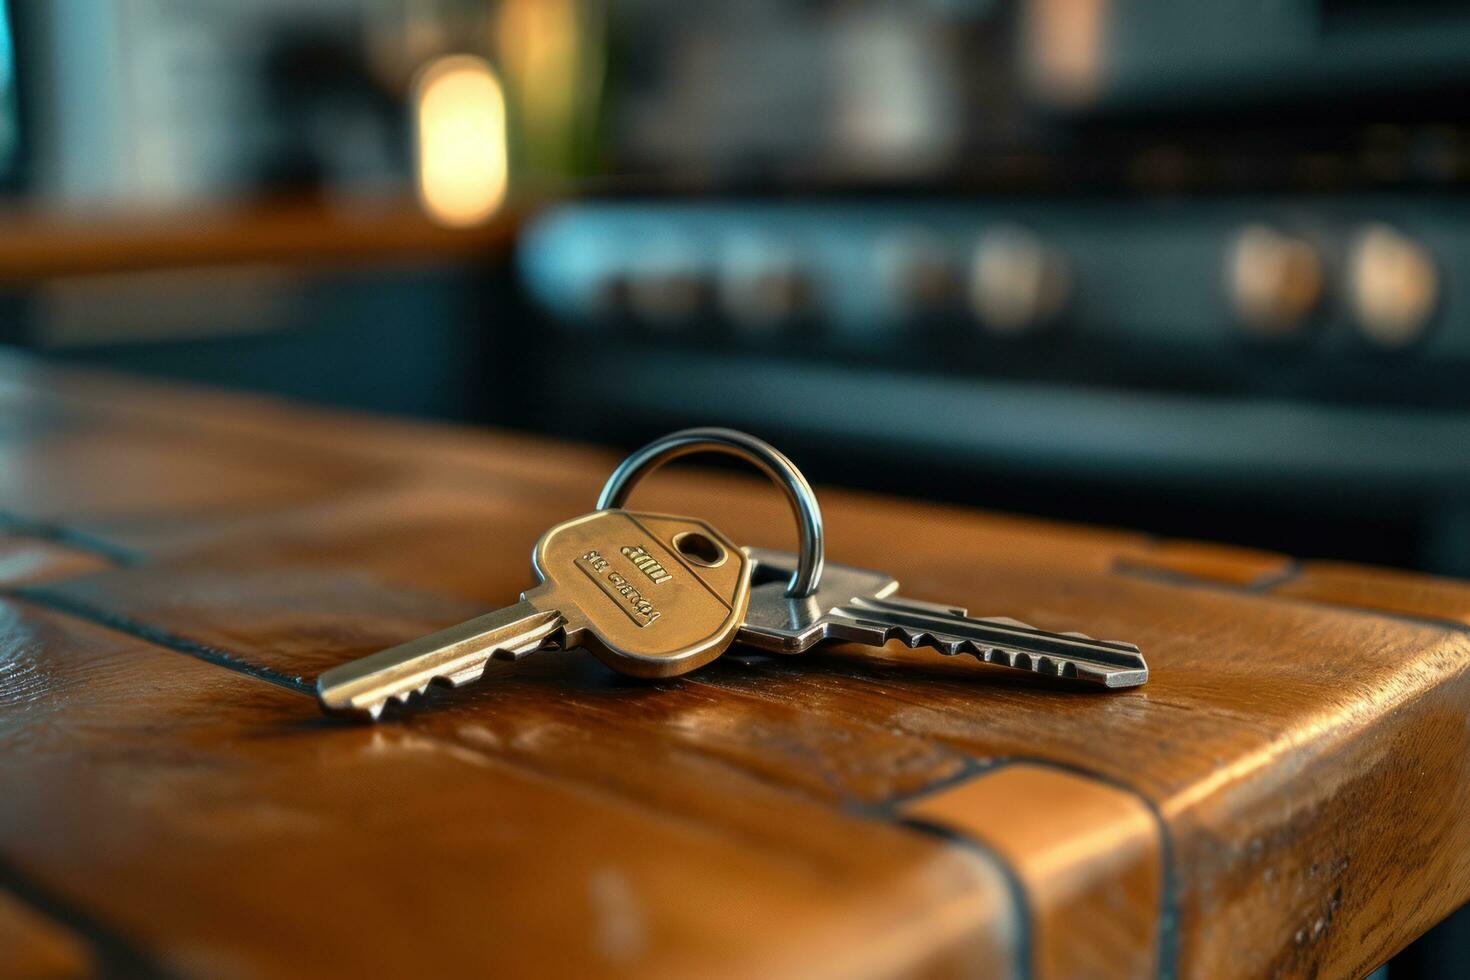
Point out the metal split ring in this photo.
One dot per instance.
(766, 458)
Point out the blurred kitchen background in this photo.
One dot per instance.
(1196, 267)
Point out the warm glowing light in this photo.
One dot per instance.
(461, 138)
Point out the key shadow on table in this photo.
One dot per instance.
(896, 663)
(575, 679)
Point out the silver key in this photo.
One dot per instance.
(860, 606)
(650, 595)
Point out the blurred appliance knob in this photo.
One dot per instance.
(606, 296)
(666, 298)
(667, 283)
(1018, 283)
(1275, 281)
(918, 273)
(1393, 286)
(762, 285)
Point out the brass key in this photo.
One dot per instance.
(651, 595)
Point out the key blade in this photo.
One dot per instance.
(958, 613)
(454, 656)
(1004, 642)
(779, 624)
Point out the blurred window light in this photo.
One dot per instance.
(462, 165)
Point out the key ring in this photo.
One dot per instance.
(766, 458)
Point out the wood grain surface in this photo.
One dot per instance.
(1288, 796)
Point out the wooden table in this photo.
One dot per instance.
(41, 245)
(1290, 793)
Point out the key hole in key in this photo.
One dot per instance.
(700, 548)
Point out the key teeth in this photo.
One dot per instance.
(406, 697)
(375, 710)
(364, 688)
(1044, 664)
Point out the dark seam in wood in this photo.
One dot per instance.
(113, 955)
(1264, 582)
(69, 537)
(1167, 577)
(142, 631)
(1015, 888)
(889, 806)
(1267, 581)
(1168, 915)
(1168, 920)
